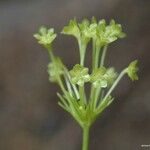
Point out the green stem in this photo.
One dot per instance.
(82, 49)
(68, 85)
(82, 95)
(76, 91)
(92, 96)
(97, 93)
(103, 56)
(97, 56)
(85, 143)
(73, 86)
(93, 54)
(61, 85)
(51, 55)
(115, 83)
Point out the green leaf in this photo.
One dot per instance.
(132, 70)
(45, 36)
(79, 75)
(55, 69)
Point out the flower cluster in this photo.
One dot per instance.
(100, 77)
(103, 33)
(102, 80)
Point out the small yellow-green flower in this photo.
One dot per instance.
(45, 36)
(109, 33)
(84, 29)
(103, 77)
(110, 76)
(78, 30)
(97, 77)
(72, 29)
(79, 75)
(132, 70)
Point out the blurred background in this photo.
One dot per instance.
(30, 118)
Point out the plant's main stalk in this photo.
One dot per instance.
(85, 144)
